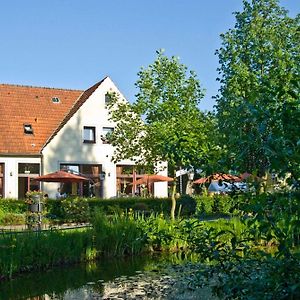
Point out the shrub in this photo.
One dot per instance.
(76, 209)
(13, 206)
(187, 204)
(55, 210)
(124, 204)
(12, 219)
(237, 268)
(215, 204)
(2, 214)
(13, 212)
(204, 204)
(141, 206)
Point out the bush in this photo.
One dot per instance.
(55, 210)
(258, 258)
(187, 205)
(11, 212)
(110, 206)
(140, 206)
(12, 219)
(155, 205)
(215, 204)
(76, 209)
(124, 204)
(13, 206)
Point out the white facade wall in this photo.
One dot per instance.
(11, 173)
(68, 147)
(161, 188)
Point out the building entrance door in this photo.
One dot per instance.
(26, 181)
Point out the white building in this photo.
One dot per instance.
(43, 130)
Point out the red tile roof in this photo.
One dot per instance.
(84, 96)
(21, 105)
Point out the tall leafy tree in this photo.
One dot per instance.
(165, 123)
(258, 105)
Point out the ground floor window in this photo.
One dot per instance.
(126, 175)
(1, 180)
(92, 187)
(27, 172)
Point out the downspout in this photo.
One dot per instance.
(42, 170)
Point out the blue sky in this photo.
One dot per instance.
(75, 43)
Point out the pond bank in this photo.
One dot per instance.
(143, 277)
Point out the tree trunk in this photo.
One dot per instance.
(173, 199)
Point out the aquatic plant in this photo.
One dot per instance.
(26, 251)
(117, 235)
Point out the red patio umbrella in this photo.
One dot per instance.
(61, 176)
(247, 176)
(151, 178)
(217, 177)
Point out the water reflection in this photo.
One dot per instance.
(82, 281)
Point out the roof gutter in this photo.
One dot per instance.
(20, 154)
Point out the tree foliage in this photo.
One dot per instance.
(258, 106)
(165, 123)
(257, 257)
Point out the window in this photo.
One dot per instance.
(91, 187)
(26, 178)
(106, 132)
(55, 100)
(89, 134)
(28, 129)
(28, 168)
(107, 98)
(70, 168)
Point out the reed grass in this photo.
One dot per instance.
(117, 235)
(41, 250)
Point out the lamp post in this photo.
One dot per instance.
(189, 186)
(191, 174)
(102, 177)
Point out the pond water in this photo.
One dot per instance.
(83, 280)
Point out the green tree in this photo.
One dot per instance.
(165, 123)
(258, 103)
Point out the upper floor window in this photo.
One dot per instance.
(107, 98)
(28, 129)
(89, 134)
(106, 132)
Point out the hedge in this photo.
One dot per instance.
(185, 205)
(76, 209)
(13, 206)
